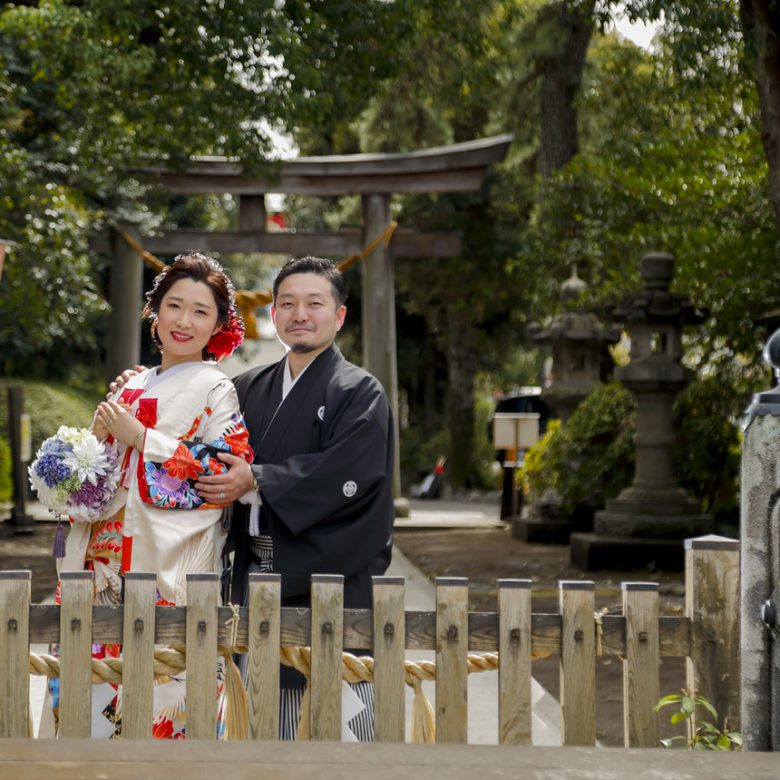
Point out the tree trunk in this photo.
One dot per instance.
(570, 29)
(761, 28)
(461, 374)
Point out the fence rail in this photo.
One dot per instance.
(707, 635)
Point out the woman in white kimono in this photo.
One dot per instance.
(168, 424)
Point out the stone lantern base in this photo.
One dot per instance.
(548, 523)
(594, 552)
(640, 528)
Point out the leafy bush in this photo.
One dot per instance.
(589, 458)
(49, 406)
(708, 448)
(6, 477)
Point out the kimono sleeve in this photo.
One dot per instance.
(344, 478)
(169, 466)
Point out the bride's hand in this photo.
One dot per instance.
(119, 422)
(99, 427)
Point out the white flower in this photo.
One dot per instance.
(88, 459)
(71, 436)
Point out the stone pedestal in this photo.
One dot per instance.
(549, 523)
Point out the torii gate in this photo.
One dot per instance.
(375, 177)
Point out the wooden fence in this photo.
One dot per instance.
(508, 639)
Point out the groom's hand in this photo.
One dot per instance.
(122, 380)
(228, 486)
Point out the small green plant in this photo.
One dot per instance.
(702, 734)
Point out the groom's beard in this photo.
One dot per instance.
(302, 349)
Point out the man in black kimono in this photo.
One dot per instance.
(319, 496)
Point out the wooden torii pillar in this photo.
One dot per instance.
(375, 177)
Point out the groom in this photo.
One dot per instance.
(318, 498)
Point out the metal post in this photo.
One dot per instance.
(760, 566)
(20, 520)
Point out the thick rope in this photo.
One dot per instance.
(170, 661)
(249, 300)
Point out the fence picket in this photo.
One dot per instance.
(641, 664)
(202, 602)
(452, 646)
(15, 589)
(712, 603)
(389, 652)
(138, 654)
(707, 635)
(76, 654)
(327, 639)
(578, 663)
(514, 670)
(265, 592)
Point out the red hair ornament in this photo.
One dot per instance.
(225, 341)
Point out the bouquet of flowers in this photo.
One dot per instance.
(74, 473)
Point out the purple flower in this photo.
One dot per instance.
(89, 494)
(51, 470)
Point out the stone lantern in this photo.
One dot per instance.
(650, 519)
(578, 340)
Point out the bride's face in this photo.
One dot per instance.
(187, 319)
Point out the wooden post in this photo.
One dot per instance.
(641, 665)
(378, 317)
(124, 324)
(712, 606)
(389, 654)
(327, 641)
(20, 520)
(202, 604)
(76, 654)
(251, 213)
(578, 663)
(265, 620)
(14, 651)
(452, 647)
(138, 655)
(514, 653)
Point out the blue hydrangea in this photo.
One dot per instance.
(54, 446)
(51, 470)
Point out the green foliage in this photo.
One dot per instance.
(6, 476)
(702, 734)
(686, 174)
(50, 406)
(708, 447)
(589, 458)
(91, 90)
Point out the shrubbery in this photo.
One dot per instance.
(6, 481)
(591, 457)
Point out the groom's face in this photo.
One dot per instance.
(305, 313)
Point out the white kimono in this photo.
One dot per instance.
(166, 527)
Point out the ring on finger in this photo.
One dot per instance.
(222, 496)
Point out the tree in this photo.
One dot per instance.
(90, 89)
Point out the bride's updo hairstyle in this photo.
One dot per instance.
(200, 268)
